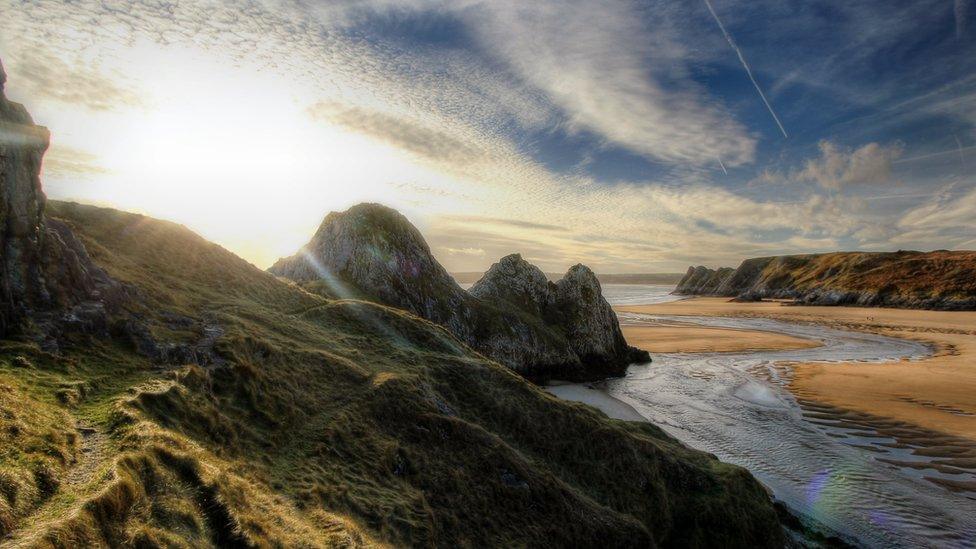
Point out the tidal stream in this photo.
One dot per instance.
(736, 406)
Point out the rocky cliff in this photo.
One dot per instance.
(941, 279)
(702, 280)
(513, 315)
(46, 276)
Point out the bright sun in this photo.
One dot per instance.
(230, 151)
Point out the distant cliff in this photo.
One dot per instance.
(940, 280)
(513, 315)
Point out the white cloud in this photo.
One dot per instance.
(837, 167)
(610, 68)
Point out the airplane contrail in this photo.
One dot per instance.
(720, 163)
(745, 65)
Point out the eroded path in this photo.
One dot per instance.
(79, 479)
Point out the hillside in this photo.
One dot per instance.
(374, 253)
(156, 390)
(322, 422)
(941, 280)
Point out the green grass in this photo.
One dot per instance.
(331, 423)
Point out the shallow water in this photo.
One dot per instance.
(638, 294)
(736, 406)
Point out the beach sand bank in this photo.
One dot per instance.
(677, 337)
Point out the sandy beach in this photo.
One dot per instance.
(936, 394)
(677, 337)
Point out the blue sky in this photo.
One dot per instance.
(625, 134)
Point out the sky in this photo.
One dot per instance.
(632, 136)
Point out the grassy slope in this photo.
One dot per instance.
(939, 273)
(330, 423)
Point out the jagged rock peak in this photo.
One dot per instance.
(580, 274)
(515, 280)
(373, 220)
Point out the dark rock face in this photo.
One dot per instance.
(513, 314)
(574, 306)
(941, 280)
(515, 281)
(44, 267)
(373, 252)
(577, 305)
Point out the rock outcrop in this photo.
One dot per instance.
(516, 281)
(941, 280)
(574, 305)
(374, 253)
(577, 305)
(45, 271)
(513, 314)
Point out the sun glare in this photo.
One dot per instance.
(232, 152)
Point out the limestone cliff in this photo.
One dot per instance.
(703, 281)
(513, 315)
(941, 279)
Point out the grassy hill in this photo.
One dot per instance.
(289, 419)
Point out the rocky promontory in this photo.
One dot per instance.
(941, 280)
(513, 315)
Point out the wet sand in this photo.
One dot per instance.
(596, 397)
(676, 337)
(937, 394)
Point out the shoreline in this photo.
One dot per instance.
(936, 393)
